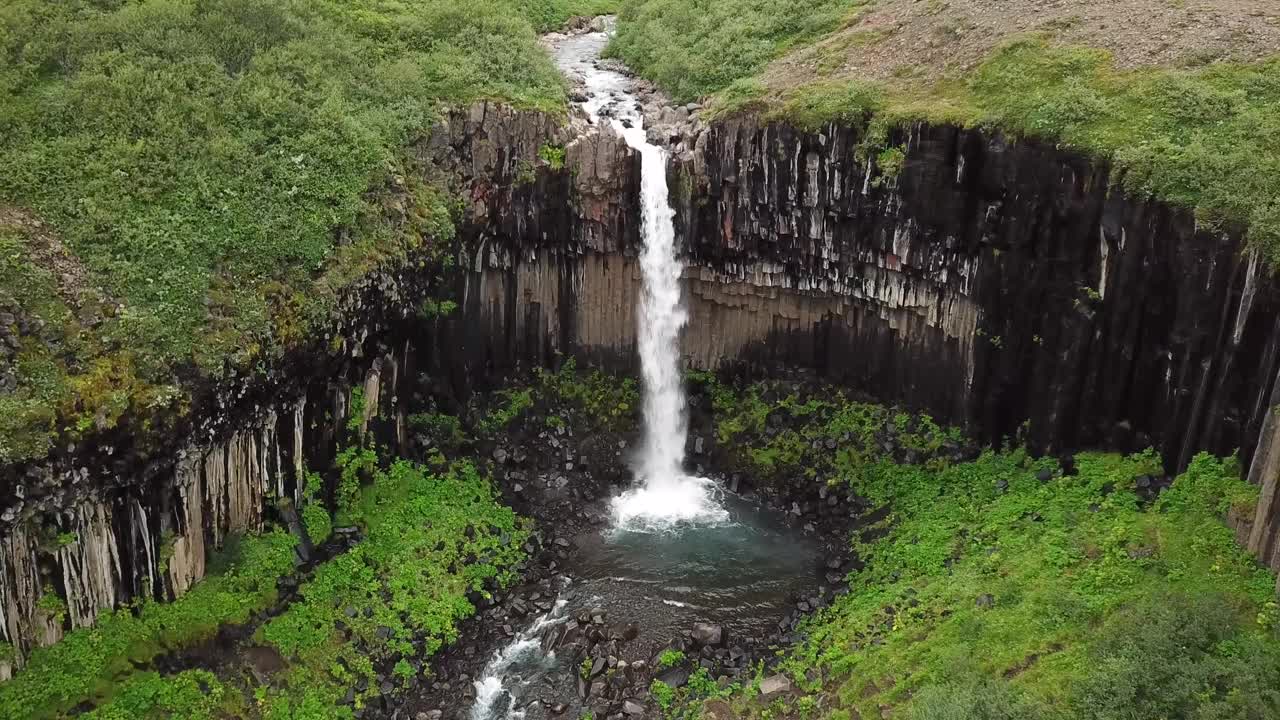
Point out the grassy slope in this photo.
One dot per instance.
(1206, 138)
(989, 593)
(214, 168)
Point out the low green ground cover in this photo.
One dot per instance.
(432, 537)
(88, 664)
(777, 430)
(189, 695)
(990, 592)
(587, 398)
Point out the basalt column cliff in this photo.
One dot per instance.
(993, 283)
(1009, 286)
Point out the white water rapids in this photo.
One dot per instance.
(494, 700)
(664, 495)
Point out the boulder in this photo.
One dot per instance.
(708, 635)
(674, 677)
(774, 685)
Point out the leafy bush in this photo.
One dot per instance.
(513, 404)
(609, 401)
(84, 664)
(670, 658)
(443, 431)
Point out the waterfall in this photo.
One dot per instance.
(664, 494)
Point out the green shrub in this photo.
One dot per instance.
(443, 431)
(977, 701)
(85, 664)
(1180, 656)
(609, 401)
(670, 658)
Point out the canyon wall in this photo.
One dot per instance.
(128, 516)
(1012, 287)
(993, 283)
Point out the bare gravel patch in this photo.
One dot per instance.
(930, 39)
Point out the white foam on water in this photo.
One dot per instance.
(494, 700)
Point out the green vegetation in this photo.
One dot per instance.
(605, 401)
(608, 401)
(315, 516)
(669, 658)
(87, 664)
(432, 537)
(1205, 137)
(696, 48)
(513, 403)
(219, 171)
(988, 593)
(552, 155)
(685, 702)
(775, 430)
(191, 695)
(432, 308)
(443, 431)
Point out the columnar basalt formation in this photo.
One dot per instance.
(988, 281)
(1012, 287)
(105, 523)
(1009, 286)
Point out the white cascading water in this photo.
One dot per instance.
(494, 699)
(664, 494)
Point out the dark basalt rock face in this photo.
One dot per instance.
(998, 283)
(146, 508)
(990, 282)
(1011, 287)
